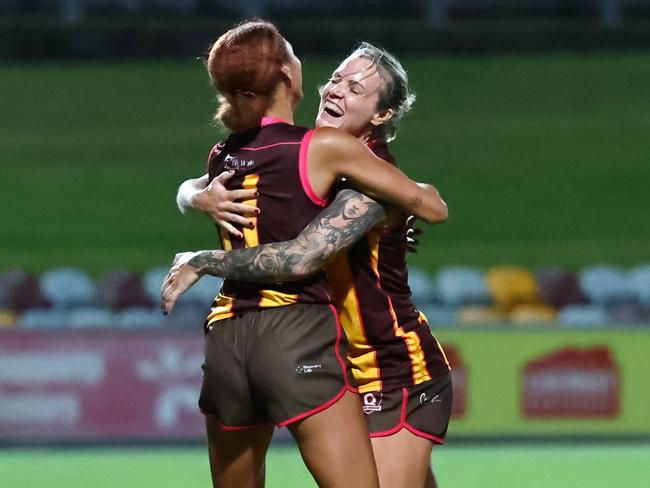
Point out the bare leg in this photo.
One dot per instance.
(237, 458)
(431, 479)
(403, 460)
(335, 446)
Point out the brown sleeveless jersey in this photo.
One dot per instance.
(391, 345)
(271, 159)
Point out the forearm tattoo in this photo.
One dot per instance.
(350, 216)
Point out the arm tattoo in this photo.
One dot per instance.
(350, 216)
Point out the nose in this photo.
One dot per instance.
(335, 91)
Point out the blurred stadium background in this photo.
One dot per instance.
(533, 118)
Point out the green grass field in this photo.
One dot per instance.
(515, 466)
(542, 159)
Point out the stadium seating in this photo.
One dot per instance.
(68, 287)
(535, 314)
(639, 284)
(20, 291)
(559, 287)
(605, 285)
(625, 314)
(137, 317)
(458, 295)
(123, 289)
(462, 285)
(439, 315)
(423, 289)
(86, 317)
(583, 316)
(7, 318)
(510, 286)
(481, 315)
(152, 281)
(43, 318)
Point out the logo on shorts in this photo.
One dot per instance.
(308, 368)
(372, 403)
(425, 399)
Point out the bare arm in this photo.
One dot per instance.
(333, 153)
(350, 216)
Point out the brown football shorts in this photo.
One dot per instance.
(423, 409)
(275, 365)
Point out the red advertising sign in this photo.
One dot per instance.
(572, 383)
(91, 385)
(458, 380)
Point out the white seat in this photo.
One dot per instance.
(68, 287)
(44, 318)
(462, 285)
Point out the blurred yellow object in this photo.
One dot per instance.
(510, 286)
(7, 318)
(533, 314)
(477, 315)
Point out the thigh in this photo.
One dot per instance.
(237, 457)
(335, 445)
(298, 366)
(403, 460)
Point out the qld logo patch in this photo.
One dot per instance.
(372, 402)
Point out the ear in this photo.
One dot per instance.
(285, 74)
(382, 117)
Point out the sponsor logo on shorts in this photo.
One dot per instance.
(308, 368)
(425, 399)
(372, 402)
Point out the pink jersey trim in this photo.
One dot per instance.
(353, 389)
(316, 410)
(270, 145)
(387, 433)
(303, 169)
(272, 120)
(412, 430)
(419, 433)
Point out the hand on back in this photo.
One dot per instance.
(226, 207)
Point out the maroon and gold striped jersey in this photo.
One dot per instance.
(391, 345)
(271, 159)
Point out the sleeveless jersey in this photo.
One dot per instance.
(271, 159)
(391, 345)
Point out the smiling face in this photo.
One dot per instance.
(349, 99)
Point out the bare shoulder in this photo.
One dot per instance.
(331, 140)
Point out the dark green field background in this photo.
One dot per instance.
(542, 159)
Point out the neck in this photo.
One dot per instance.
(368, 135)
(281, 108)
(282, 111)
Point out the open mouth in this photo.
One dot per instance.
(333, 110)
